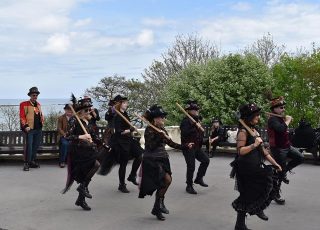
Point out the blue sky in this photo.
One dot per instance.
(65, 46)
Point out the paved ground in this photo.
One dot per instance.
(31, 201)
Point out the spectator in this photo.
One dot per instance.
(62, 132)
(31, 120)
(216, 135)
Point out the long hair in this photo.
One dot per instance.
(147, 115)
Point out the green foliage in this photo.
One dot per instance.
(137, 92)
(51, 120)
(298, 80)
(219, 86)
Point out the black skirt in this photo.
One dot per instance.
(153, 173)
(256, 186)
(83, 158)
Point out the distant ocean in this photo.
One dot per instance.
(48, 105)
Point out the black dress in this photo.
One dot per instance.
(124, 145)
(83, 154)
(254, 181)
(155, 163)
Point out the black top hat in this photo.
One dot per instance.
(154, 112)
(247, 110)
(84, 103)
(66, 106)
(111, 102)
(119, 98)
(191, 105)
(33, 90)
(80, 104)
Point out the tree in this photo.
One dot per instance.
(220, 87)
(298, 80)
(136, 91)
(51, 120)
(187, 49)
(266, 50)
(10, 117)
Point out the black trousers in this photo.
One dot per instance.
(280, 156)
(190, 156)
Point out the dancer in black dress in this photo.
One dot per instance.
(156, 170)
(124, 145)
(254, 179)
(82, 162)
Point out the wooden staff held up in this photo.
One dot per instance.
(152, 126)
(191, 118)
(275, 115)
(78, 119)
(125, 119)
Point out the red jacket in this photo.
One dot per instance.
(27, 111)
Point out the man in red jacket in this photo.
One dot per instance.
(31, 120)
(280, 144)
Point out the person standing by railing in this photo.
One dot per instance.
(31, 121)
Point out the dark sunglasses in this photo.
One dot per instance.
(87, 110)
(34, 95)
(282, 107)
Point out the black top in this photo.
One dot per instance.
(253, 159)
(93, 119)
(120, 125)
(75, 130)
(190, 132)
(155, 143)
(109, 117)
(217, 132)
(37, 117)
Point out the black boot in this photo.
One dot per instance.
(285, 179)
(156, 209)
(262, 216)
(34, 164)
(279, 200)
(82, 203)
(132, 178)
(163, 208)
(190, 189)
(123, 188)
(199, 181)
(83, 190)
(241, 221)
(26, 166)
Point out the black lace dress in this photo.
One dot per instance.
(155, 163)
(83, 154)
(254, 181)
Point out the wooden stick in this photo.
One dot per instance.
(275, 115)
(125, 119)
(152, 126)
(191, 118)
(247, 128)
(78, 119)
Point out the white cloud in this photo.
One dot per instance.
(145, 38)
(83, 22)
(57, 44)
(293, 24)
(157, 22)
(241, 6)
(46, 16)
